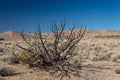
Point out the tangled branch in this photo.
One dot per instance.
(52, 51)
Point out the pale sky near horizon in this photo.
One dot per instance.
(16, 15)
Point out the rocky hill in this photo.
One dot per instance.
(10, 35)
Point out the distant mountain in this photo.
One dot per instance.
(10, 34)
(88, 34)
(102, 32)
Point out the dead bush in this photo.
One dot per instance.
(52, 51)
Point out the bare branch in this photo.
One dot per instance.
(53, 52)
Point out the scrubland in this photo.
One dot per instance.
(100, 59)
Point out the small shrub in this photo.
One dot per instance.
(5, 59)
(102, 57)
(5, 71)
(74, 60)
(1, 42)
(117, 70)
(13, 59)
(105, 56)
(1, 49)
(1, 39)
(8, 43)
(115, 57)
(26, 57)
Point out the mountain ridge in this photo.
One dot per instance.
(88, 33)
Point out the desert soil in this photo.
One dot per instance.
(99, 56)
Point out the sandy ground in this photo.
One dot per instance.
(92, 68)
(90, 71)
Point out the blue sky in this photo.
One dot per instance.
(17, 15)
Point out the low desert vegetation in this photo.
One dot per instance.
(13, 59)
(97, 49)
(2, 39)
(54, 53)
(8, 43)
(2, 48)
(1, 78)
(117, 70)
(4, 71)
(62, 53)
(42, 78)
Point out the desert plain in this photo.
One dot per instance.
(98, 52)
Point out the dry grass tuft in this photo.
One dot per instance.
(74, 60)
(26, 56)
